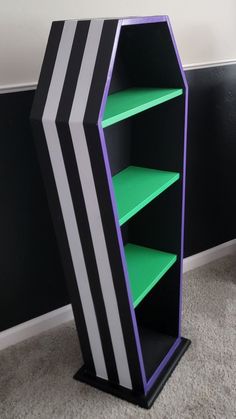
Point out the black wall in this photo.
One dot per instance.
(31, 276)
(211, 159)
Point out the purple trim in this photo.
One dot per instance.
(124, 22)
(137, 20)
(114, 206)
(162, 365)
(184, 169)
(183, 207)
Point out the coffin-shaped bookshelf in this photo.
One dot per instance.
(109, 119)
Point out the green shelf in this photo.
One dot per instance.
(135, 187)
(145, 268)
(126, 103)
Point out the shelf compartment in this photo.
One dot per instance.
(145, 268)
(126, 103)
(135, 187)
(155, 346)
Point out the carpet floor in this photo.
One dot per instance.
(36, 375)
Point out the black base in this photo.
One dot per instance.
(145, 401)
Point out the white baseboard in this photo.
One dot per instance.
(35, 326)
(61, 315)
(209, 255)
(20, 87)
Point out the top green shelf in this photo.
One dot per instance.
(126, 103)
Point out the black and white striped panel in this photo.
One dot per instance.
(63, 114)
(49, 181)
(74, 96)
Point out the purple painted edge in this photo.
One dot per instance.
(114, 206)
(137, 20)
(184, 169)
(177, 342)
(162, 365)
(123, 22)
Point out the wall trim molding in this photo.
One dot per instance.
(209, 64)
(14, 88)
(19, 87)
(64, 314)
(209, 255)
(35, 326)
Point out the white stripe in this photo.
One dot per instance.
(91, 201)
(63, 189)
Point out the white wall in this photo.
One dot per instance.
(205, 30)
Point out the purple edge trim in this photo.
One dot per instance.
(123, 22)
(177, 342)
(114, 206)
(184, 166)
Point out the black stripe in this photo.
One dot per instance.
(46, 70)
(63, 129)
(105, 204)
(48, 176)
(72, 73)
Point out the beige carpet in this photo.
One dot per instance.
(36, 375)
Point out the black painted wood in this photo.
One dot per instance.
(76, 190)
(145, 57)
(31, 276)
(152, 139)
(159, 310)
(154, 346)
(37, 110)
(136, 398)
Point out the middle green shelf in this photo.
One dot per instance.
(135, 187)
(129, 102)
(145, 268)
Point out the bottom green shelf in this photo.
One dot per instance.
(145, 268)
